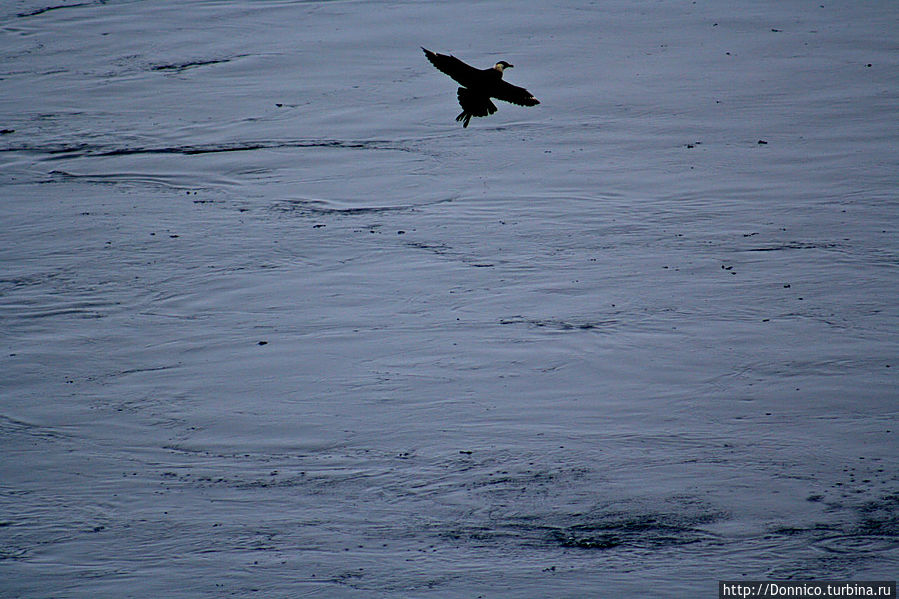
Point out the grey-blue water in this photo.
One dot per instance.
(273, 324)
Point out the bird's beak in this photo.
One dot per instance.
(510, 66)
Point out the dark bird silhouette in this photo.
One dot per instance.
(479, 85)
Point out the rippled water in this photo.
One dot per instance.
(273, 323)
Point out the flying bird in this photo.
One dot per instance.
(479, 85)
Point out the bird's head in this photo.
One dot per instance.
(502, 65)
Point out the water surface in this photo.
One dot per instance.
(273, 323)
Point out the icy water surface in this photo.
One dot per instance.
(274, 325)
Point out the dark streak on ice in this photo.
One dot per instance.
(796, 246)
(188, 65)
(560, 325)
(41, 11)
(635, 530)
(321, 207)
(64, 151)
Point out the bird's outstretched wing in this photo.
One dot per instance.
(514, 94)
(452, 66)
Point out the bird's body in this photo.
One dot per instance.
(479, 86)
